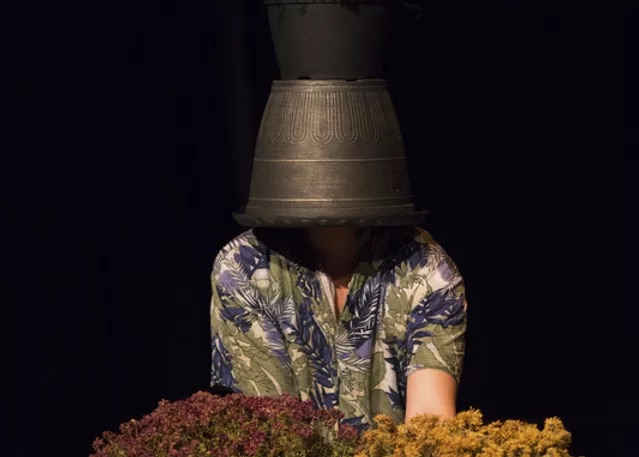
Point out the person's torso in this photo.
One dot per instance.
(355, 361)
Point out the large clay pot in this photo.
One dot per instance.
(330, 39)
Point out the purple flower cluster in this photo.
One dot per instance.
(231, 426)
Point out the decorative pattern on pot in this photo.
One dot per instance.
(329, 153)
(322, 115)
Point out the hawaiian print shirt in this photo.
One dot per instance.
(274, 331)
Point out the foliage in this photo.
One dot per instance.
(206, 425)
(464, 435)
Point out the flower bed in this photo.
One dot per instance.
(206, 425)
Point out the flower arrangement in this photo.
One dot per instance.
(206, 425)
(464, 435)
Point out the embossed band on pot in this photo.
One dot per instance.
(329, 152)
(329, 119)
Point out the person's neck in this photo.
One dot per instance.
(336, 251)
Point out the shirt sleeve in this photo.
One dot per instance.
(436, 329)
(248, 350)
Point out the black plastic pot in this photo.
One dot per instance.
(330, 39)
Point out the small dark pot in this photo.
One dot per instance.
(330, 39)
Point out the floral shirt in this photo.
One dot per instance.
(273, 330)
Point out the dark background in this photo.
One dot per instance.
(141, 121)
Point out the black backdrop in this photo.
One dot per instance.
(145, 115)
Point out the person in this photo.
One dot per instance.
(369, 320)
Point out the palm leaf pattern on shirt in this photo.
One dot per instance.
(221, 360)
(396, 360)
(363, 307)
(278, 311)
(357, 423)
(252, 257)
(309, 337)
(439, 307)
(254, 305)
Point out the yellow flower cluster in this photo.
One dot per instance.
(464, 435)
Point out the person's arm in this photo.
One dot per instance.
(436, 343)
(248, 350)
(431, 391)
